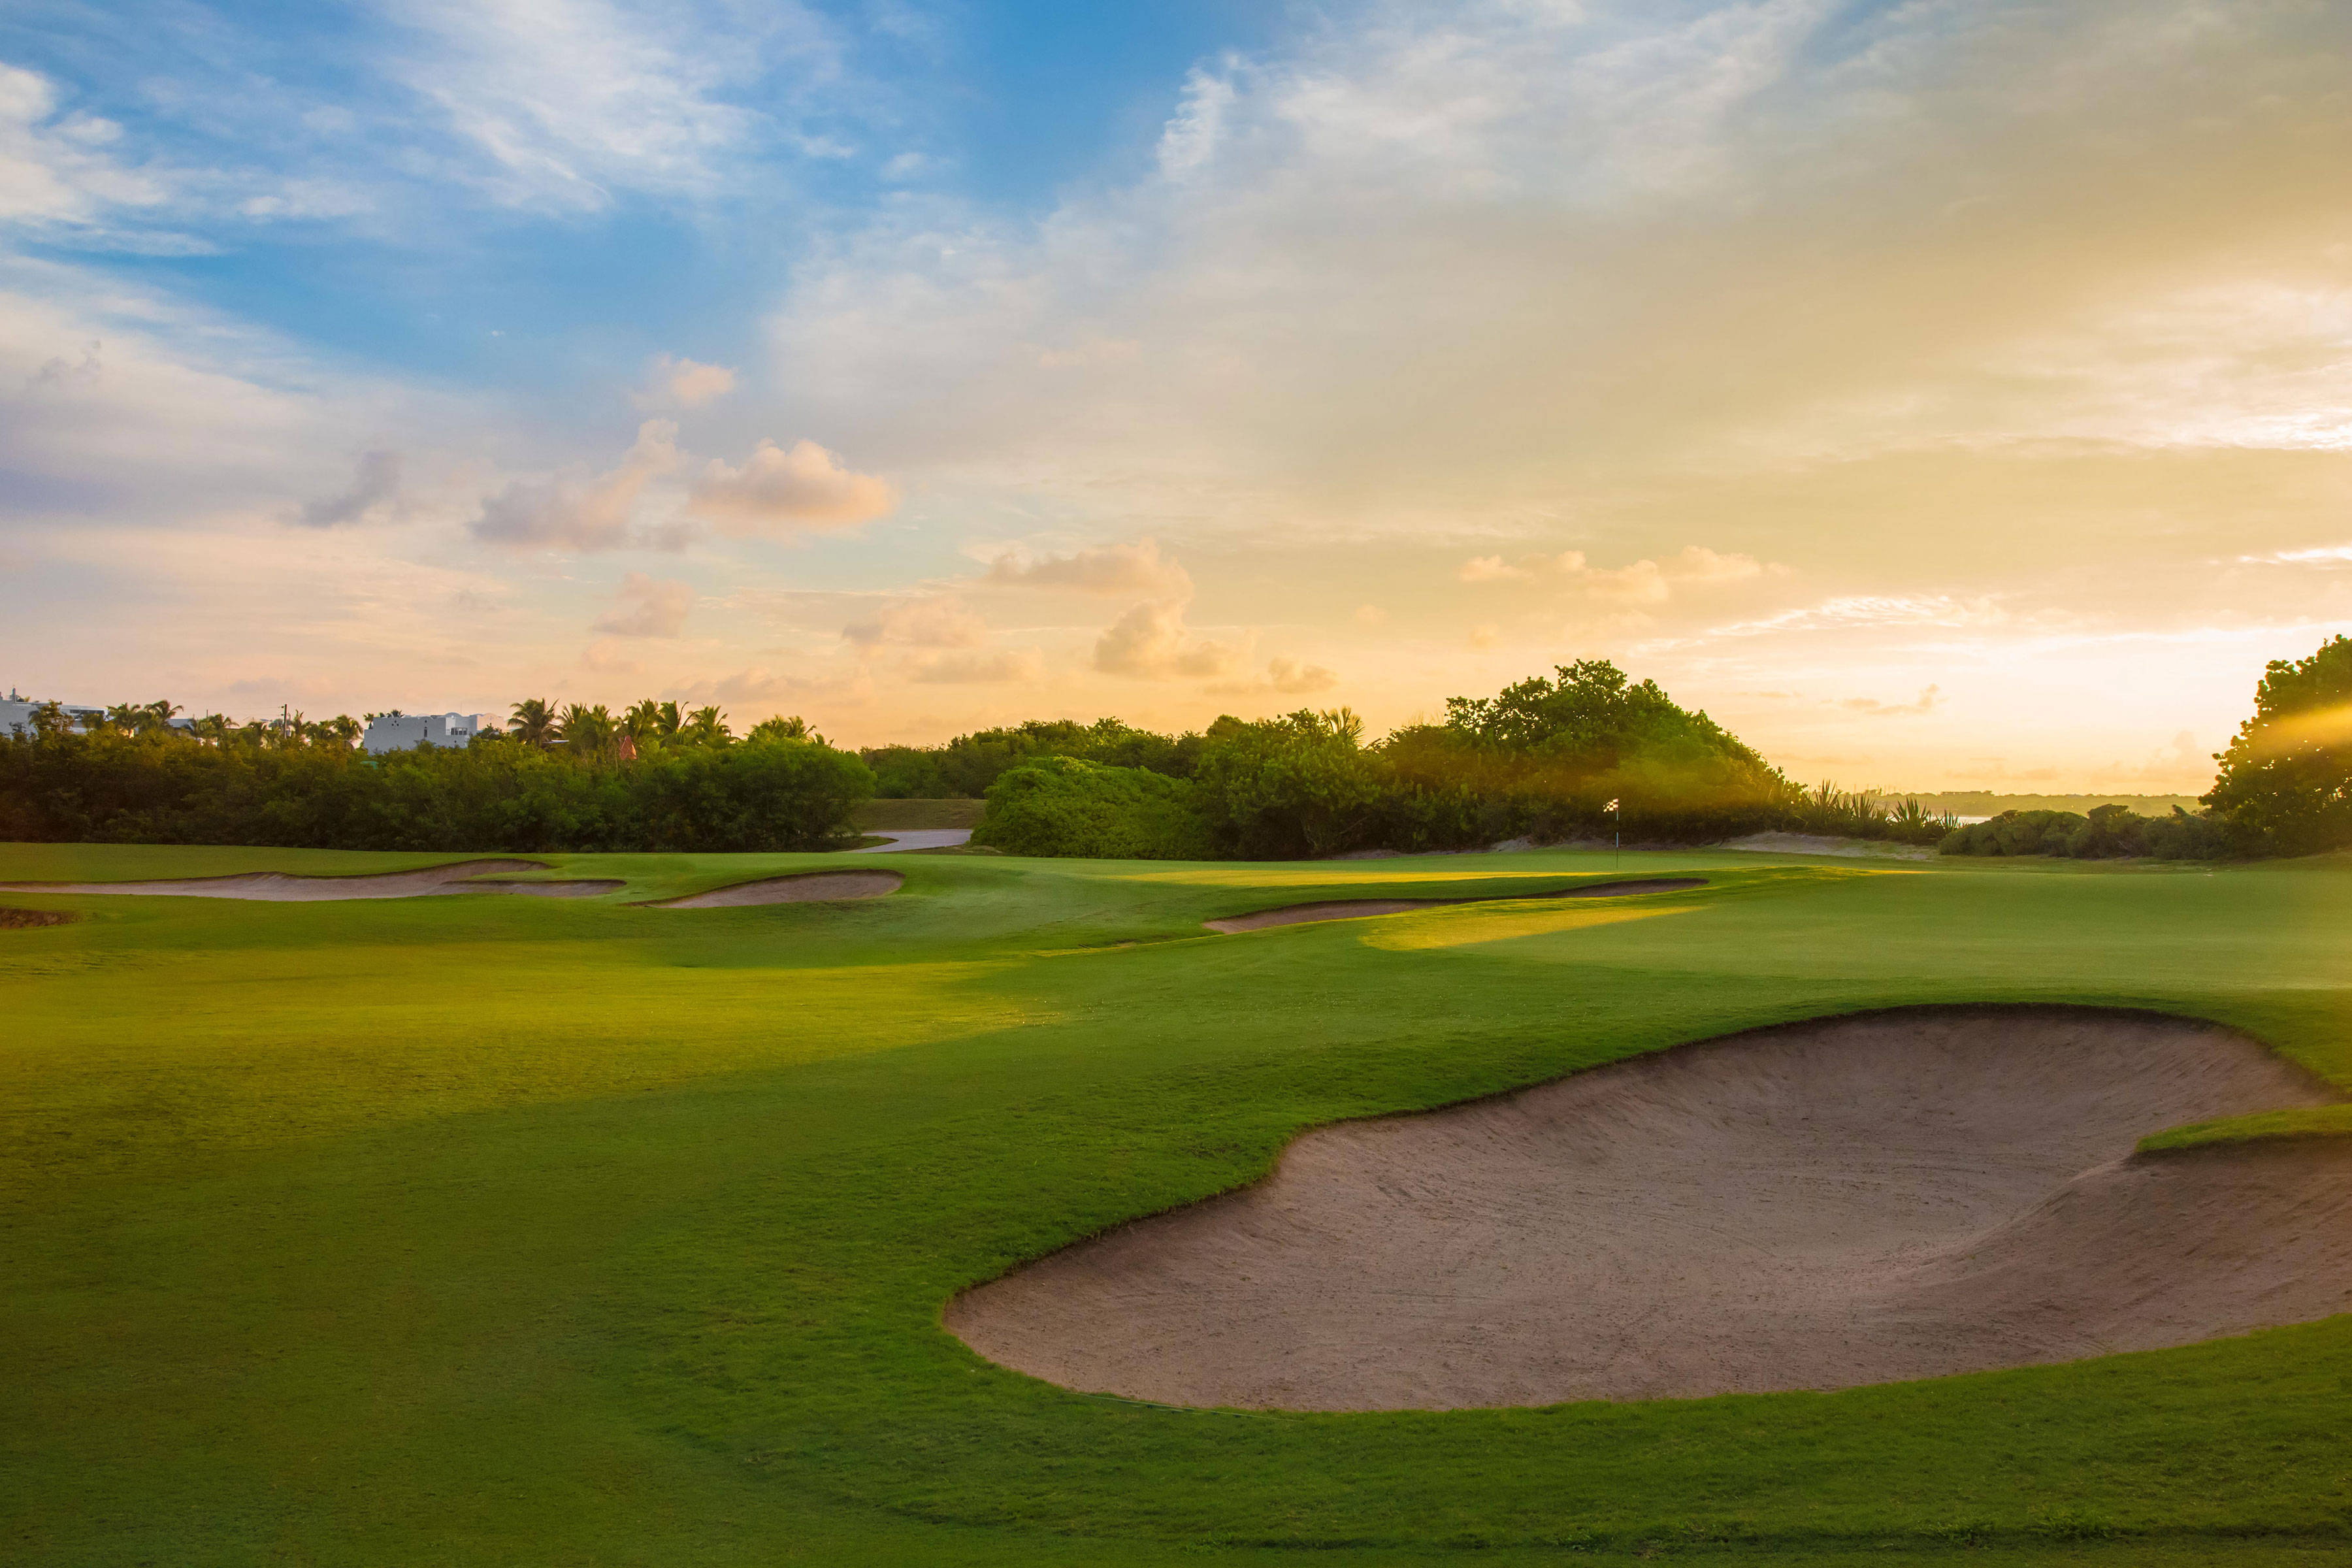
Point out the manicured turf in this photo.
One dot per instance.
(504, 1231)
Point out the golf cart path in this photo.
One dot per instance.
(915, 839)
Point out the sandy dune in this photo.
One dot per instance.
(808, 886)
(278, 887)
(1899, 1195)
(1356, 909)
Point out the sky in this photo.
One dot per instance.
(1942, 394)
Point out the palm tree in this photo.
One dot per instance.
(792, 729)
(652, 720)
(534, 723)
(587, 732)
(706, 727)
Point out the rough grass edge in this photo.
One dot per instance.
(2262, 1126)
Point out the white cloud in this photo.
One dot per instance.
(978, 667)
(1930, 698)
(56, 169)
(605, 656)
(1284, 677)
(759, 686)
(646, 606)
(1643, 582)
(1874, 610)
(1137, 568)
(1189, 141)
(938, 622)
(1419, 264)
(2319, 555)
(570, 513)
(309, 198)
(1151, 641)
(573, 101)
(374, 492)
(779, 491)
(127, 404)
(688, 384)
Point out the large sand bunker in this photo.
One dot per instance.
(807, 887)
(1356, 909)
(1863, 1200)
(280, 887)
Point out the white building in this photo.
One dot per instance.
(16, 713)
(406, 732)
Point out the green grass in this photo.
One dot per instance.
(504, 1231)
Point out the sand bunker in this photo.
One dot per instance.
(1865, 1200)
(808, 887)
(278, 887)
(1356, 909)
(1829, 843)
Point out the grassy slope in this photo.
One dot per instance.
(507, 1232)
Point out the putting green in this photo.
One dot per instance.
(511, 1231)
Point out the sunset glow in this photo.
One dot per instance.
(1941, 395)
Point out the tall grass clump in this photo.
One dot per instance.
(1865, 814)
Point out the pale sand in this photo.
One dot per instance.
(808, 887)
(1357, 908)
(1899, 1195)
(1827, 844)
(278, 887)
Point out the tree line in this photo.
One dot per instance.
(1583, 753)
(651, 777)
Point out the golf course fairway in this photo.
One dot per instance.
(509, 1231)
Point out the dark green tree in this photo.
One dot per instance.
(2286, 780)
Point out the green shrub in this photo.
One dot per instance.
(1291, 788)
(2109, 832)
(968, 766)
(1063, 806)
(163, 788)
(1544, 758)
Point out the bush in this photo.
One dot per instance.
(1545, 759)
(2108, 833)
(1292, 788)
(165, 788)
(968, 766)
(1063, 806)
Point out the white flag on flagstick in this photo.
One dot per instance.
(1612, 805)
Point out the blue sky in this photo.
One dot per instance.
(422, 264)
(1848, 367)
